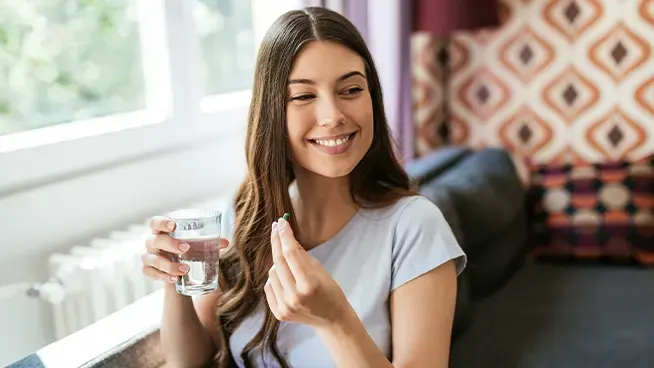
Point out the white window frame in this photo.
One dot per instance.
(176, 113)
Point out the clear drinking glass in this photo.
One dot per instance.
(201, 230)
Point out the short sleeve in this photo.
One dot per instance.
(227, 221)
(225, 205)
(423, 240)
(227, 224)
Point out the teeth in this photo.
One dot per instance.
(332, 142)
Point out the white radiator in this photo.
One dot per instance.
(99, 279)
(92, 281)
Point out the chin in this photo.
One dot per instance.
(331, 170)
(334, 174)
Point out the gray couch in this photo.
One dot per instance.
(514, 312)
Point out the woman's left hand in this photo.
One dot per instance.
(299, 289)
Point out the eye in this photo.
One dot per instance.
(304, 97)
(352, 91)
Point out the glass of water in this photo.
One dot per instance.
(200, 229)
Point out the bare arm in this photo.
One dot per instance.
(422, 313)
(189, 331)
(350, 345)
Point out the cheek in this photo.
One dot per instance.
(367, 121)
(361, 113)
(297, 128)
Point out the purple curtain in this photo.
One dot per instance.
(386, 26)
(442, 17)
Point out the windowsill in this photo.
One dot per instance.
(98, 144)
(78, 130)
(115, 334)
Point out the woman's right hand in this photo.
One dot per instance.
(157, 260)
(160, 247)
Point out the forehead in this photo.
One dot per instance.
(325, 60)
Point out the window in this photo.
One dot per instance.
(106, 81)
(227, 41)
(58, 61)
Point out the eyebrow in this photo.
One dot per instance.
(341, 78)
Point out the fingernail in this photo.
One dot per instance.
(286, 216)
(173, 278)
(170, 225)
(274, 227)
(183, 268)
(282, 224)
(184, 247)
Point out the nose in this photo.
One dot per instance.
(329, 113)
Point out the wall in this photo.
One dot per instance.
(54, 217)
(560, 80)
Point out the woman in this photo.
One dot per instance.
(364, 273)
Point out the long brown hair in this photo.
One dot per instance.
(377, 180)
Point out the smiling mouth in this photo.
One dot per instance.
(333, 142)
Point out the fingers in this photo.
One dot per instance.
(160, 224)
(273, 280)
(276, 298)
(164, 265)
(272, 300)
(293, 254)
(286, 236)
(276, 244)
(282, 270)
(157, 242)
(155, 274)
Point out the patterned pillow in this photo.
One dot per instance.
(594, 211)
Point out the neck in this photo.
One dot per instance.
(322, 206)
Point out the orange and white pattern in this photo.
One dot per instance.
(560, 80)
(428, 94)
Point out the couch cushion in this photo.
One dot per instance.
(594, 211)
(492, 265)
(563, 316)
(433, 164)
(463, 313)
(489, 202)
(487, 192)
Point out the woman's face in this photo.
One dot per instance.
(329, 110)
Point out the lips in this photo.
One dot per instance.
(334, 145)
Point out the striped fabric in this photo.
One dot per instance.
(594, 211)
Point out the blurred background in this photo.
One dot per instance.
(112, 111)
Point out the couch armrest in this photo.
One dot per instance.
(432, 165)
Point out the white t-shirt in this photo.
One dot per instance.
(377, 251)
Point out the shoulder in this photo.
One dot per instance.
(422, 229)
(412, 211)
(229, 217)
(416, 214)
(225, 205)
(416, 206)
(415, 210)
